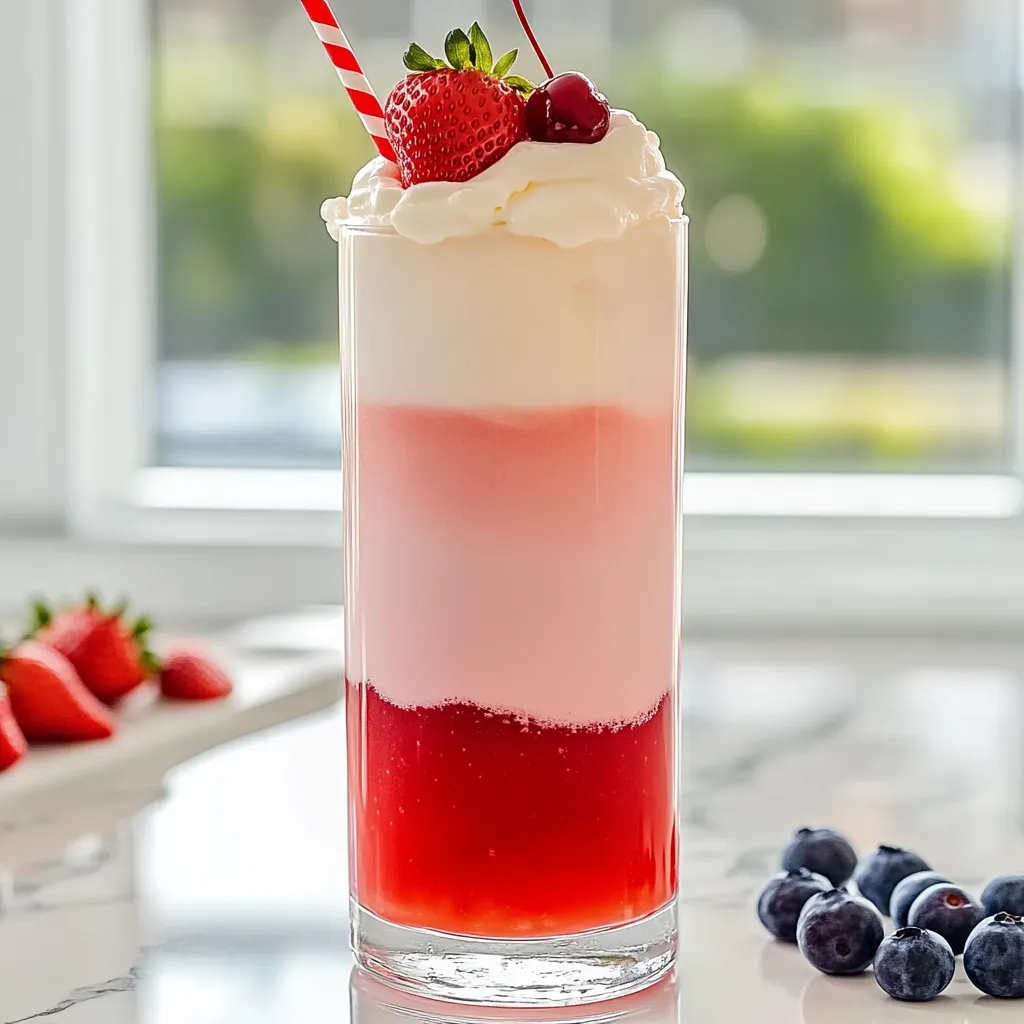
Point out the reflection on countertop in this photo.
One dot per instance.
(226, 902)
(374, 1003)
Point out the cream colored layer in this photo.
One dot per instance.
(528, 324)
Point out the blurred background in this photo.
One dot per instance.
(851, 174)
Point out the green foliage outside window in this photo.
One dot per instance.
(871, 248)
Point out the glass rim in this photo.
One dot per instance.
(346, 228)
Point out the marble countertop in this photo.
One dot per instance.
(226, 900)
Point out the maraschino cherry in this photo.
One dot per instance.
(567, 107)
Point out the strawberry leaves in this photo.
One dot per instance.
(140, 632)
(42, 616)
(480, 50)
(504, 65)
(417, 59)
(519, 84)
(468, 52)
(458, 50)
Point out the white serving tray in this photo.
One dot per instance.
(58, 793)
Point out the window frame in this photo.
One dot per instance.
(33, 415)
(753, 554)
(111, 254)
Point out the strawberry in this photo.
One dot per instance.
(108, 653)
(191, 675)
(449, 122)
(13, 745)
(50, 702)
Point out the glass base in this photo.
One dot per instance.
(563, 971)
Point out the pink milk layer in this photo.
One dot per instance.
(519, 560)
(516, 483)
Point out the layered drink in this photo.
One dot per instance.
(512, 359)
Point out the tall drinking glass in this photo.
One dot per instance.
(512, 458)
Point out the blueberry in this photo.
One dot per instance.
(839, 933)
(994, 957)
(914, 964)
(823, 851)
(907, 891)
(948, 910)
(880, 872)
(1006, 894)
(782, 899)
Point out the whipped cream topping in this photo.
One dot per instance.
(567, 193)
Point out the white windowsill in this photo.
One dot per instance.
(742, 575)
(895, 555)
(751, 495)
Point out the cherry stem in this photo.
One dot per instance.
(533, 39)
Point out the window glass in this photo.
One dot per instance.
(850, 172)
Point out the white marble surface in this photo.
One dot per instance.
(226, 901)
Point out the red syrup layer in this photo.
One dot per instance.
(486, 824)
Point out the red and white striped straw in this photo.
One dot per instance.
(360, 92)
